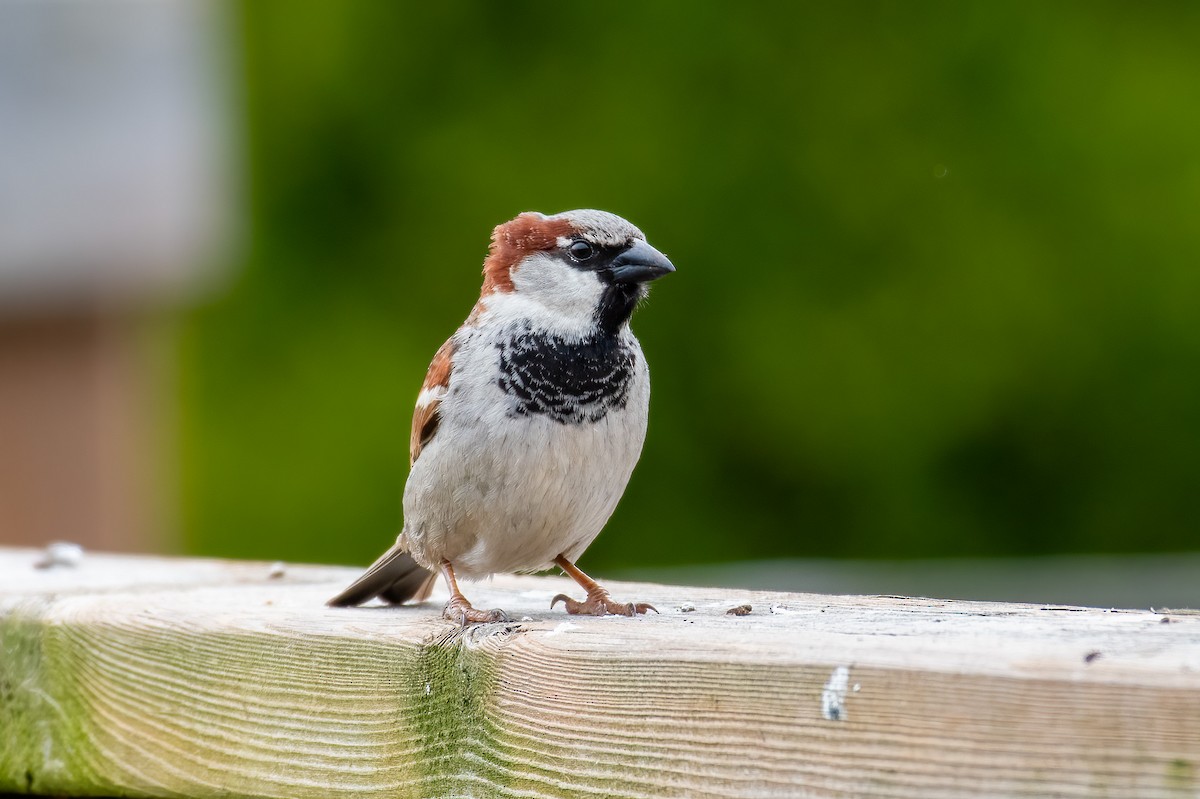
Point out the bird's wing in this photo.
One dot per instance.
(426, 416)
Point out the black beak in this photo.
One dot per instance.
(641, 263)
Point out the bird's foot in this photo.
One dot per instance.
(599, 603)
(460, 610)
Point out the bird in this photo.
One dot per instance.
(530, 420)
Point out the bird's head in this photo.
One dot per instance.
(585, 266)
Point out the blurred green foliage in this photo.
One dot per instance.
(938, 286)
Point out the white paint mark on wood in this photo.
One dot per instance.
(833, 698)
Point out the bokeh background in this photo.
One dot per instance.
(938, 291)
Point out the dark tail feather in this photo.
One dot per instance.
(394, 578)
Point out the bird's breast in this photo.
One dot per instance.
(568, 380)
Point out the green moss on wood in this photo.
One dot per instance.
(45, 746)
(53, 739)
(452, 714)
(1181, 776)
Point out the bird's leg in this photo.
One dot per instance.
(598, 602)
(459, 609)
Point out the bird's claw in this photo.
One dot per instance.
(464, 614)
(600, 604)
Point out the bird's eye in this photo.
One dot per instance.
(581, 250)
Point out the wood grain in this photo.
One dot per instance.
(157, 677)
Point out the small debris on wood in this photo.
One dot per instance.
(60, 553)
(277, 570)
(740, 610)
(686, 607)
(1091, 656)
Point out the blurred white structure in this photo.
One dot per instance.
(115, 169)
(117, 198)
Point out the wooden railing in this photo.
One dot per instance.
(171, 677)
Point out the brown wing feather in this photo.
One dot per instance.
(425, 415)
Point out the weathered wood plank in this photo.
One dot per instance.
(156, 677)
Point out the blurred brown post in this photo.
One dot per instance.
(77, 418)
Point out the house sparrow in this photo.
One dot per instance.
(531, 417)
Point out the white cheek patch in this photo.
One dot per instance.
(569, 292)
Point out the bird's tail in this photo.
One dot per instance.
(394, 578)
